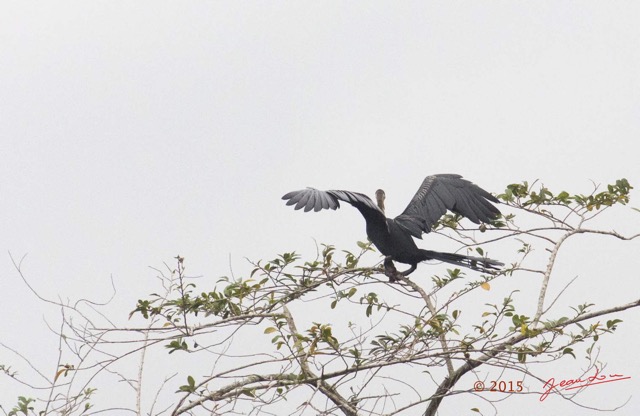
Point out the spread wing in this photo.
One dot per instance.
(439, 193)
(314, 199)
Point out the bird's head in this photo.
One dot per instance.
(380, 196)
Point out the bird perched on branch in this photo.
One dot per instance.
(394, 236)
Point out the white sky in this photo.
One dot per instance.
(134, 131)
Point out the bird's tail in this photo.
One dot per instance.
(481, 264)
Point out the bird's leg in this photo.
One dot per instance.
(392, 273)
(390, 269)
(409, 270)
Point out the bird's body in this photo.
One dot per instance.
(392, 241)
(394, 236)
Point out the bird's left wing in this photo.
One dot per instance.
(439, 193)
(315, 199)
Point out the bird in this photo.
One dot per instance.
(394, 237)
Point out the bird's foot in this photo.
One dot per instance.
(390, 270)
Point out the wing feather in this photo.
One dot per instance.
(311, 198)
(311, 203)
(292, 197)
(439, 193)
(320, 203)
(303, 200)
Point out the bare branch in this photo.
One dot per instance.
(449, 382)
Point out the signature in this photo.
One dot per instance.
(578, 383)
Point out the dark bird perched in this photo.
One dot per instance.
(393, 236)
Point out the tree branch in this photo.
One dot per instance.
(434, 312)
(552, 260)
(450, 381)
(322, 385)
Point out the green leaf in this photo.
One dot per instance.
(177, 345)
(611, 324)
(190, 387)
(249, 392)
(568, 351)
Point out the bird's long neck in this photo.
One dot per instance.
(380, 196)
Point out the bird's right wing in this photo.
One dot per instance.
(439, 193)
(314, 199)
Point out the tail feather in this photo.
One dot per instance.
(481, 264)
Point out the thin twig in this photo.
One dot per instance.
(434, 312)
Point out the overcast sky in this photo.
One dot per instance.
(134, 131)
